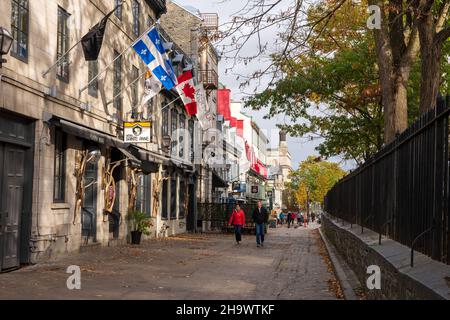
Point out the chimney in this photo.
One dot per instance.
(282, 136)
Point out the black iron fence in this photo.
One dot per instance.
(217, 215)
(403, 191)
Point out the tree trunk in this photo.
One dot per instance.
(431, 40)
(394, 63)
(431, 77)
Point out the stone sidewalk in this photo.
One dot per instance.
(191, 266)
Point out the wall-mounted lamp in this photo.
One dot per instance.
(166, 142)
(6, 40)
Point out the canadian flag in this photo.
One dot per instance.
(186, 90)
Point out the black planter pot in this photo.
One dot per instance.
(136, 237)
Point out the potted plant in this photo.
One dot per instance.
(140, 224)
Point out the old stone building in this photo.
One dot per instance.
(58, 143)
(279, 161)
(195, 33)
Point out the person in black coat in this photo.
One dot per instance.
(260, 217)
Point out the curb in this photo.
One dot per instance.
(345, 279)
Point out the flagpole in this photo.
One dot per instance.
(59, 60)
(171, 102)
(121, 54)
(124, 89)
(67, 52)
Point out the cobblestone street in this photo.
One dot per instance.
(200, 266)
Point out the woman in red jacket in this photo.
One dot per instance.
(238, 220)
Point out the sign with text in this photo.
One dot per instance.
(138, 132)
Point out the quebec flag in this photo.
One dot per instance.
(151, 50)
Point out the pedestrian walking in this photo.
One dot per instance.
(313, 216)
(305, 220)
(282, 218)
(299, 218)
(293, 217)
(237, 219)
(260, 217)
(289, 219)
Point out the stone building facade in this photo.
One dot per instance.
(194, 33)
(48, 125)
(279, 162)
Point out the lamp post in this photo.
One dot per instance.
(166, 142)
(6, 40)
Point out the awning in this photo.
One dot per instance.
(151, 156)
(182, 165)
(89, 134)
(217, 181)
(134, 162)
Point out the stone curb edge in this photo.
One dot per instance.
(342, 277)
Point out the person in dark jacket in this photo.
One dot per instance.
(238, 220)
(289, 219)
(260, 217)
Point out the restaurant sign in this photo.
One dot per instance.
(138, 132)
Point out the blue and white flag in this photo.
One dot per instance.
(151, 50)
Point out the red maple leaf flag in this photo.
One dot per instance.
(186, 90)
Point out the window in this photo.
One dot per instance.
(174, 130)
(117, 80)
(118, 11)
(150, 21)
(165, 207)
(191, 134)
(165, 122)
(181, 138)
(62, 69)
(173, 197)
(143, 197)
(182, 196)
(19, 29)
(136, 13)
(134, 91)
(92, 73)
(59, 174)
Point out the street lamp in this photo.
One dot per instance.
(166, 141)
(6, 40)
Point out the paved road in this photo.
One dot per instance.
(200, 266)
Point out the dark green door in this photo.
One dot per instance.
(12, 162)
(89, 209)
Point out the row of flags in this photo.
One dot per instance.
(223, 108)
(150, 48)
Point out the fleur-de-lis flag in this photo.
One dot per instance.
(151, 50)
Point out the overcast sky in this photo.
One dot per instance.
(300, 148)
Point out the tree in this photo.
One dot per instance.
(397, 46)
(301, 195)
(334, 98)
(289, 197)
(406, 27)
(433, 21)
(313, 179)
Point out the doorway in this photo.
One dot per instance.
(12, 178)
(115, 216)
(89, 208)
(16, 185)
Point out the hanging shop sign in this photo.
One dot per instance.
(255, 189)
(138, 132)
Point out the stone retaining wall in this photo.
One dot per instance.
(428, 279)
